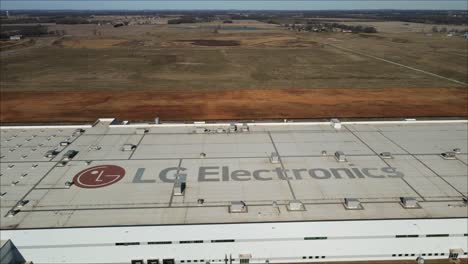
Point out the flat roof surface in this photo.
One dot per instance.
(112, 186)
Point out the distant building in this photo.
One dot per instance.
(16, 37)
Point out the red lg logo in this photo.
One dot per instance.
(99, 176)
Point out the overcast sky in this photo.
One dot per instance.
(233, 4)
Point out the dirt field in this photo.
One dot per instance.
(22, 107)
(242, 55)
(240, 71)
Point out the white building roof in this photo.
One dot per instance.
(236, 167)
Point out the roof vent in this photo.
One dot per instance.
(386, 155)
(179, 186)
(12, 213)
(10, 166)
(70, 154)
(457, 150)
(352, 204)
(62, 163)
(295, 205)
(157, 120)
(274, 158)
(202, 155)
(200, 201)
(324, 152)
(141, 131)
(238, 207)
(2, 194)
(94, 147)
(340, 156)
(200, 130)
(245, 127)
(232, 128)
(220, 130)
(335, 123)
(64, 143)
(409, 202)
(13, 183)
(68, 184)
(128, 147)
(448, 155)
(51, 153)
(22, 203)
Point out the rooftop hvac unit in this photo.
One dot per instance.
(79, 131)
(68, 184)
(64, 143)
(245, 128)
(409, 202)
(352, 204)
(22, 203)
(386, 155)
(62, 163)
(51, 153)
(238, 207)
(128, 147)
(141, 131)
(335, 123)
(232, 128)
(295, 205)
(449, 155)
(200, 130)
(70, 154)
(12, 213)
(179, 186)
(340, 156)
(274, 158)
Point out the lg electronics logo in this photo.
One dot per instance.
(99, 176)
(223, 173)
(105, 175)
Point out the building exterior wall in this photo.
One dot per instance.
(272, 242)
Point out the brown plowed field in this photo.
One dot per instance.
(87, 106)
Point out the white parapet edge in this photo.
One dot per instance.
(199, 124)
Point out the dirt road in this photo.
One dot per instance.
(21, 107)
